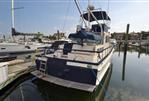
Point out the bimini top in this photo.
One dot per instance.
(87, 36)
(100, 15)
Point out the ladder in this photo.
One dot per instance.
(43, 67)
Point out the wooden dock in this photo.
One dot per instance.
(15, 71)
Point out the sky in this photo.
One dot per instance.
(48, 16)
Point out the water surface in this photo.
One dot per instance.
(129, 82)
(135, 86)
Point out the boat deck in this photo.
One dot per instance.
(65, 83)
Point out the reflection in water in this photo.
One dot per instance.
(51, 92)
(37, 90)
(143, 49)
(124, 61)
(139, 52)
(119, 49)
(135, 87)
(26, 91)
(125, 48)
(132, 48)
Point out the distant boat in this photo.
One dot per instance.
(7, 57)
(82, 62)
(20, 47)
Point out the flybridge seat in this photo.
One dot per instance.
(85, 37)
(100, 15)
(54, 47)
(67, 48)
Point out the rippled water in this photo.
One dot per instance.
(124, 84)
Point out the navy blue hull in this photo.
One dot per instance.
(58, 68)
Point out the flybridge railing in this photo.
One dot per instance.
(104, 52)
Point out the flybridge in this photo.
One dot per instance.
(100, 15)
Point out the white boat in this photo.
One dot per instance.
(82, 62)
(20, 48)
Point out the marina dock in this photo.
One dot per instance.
(16, 69)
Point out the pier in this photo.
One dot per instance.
(131, 41)
(16, 69)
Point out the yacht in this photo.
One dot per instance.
(11, 48)
(82, 62)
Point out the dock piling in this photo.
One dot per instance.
(125, 52)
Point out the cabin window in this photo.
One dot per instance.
(3, 48)
(28, 47)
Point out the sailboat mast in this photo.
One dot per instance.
(12, 13)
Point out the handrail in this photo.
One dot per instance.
(88, 50)
(91, 63)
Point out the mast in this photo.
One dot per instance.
(12, 19)
(12, 13)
